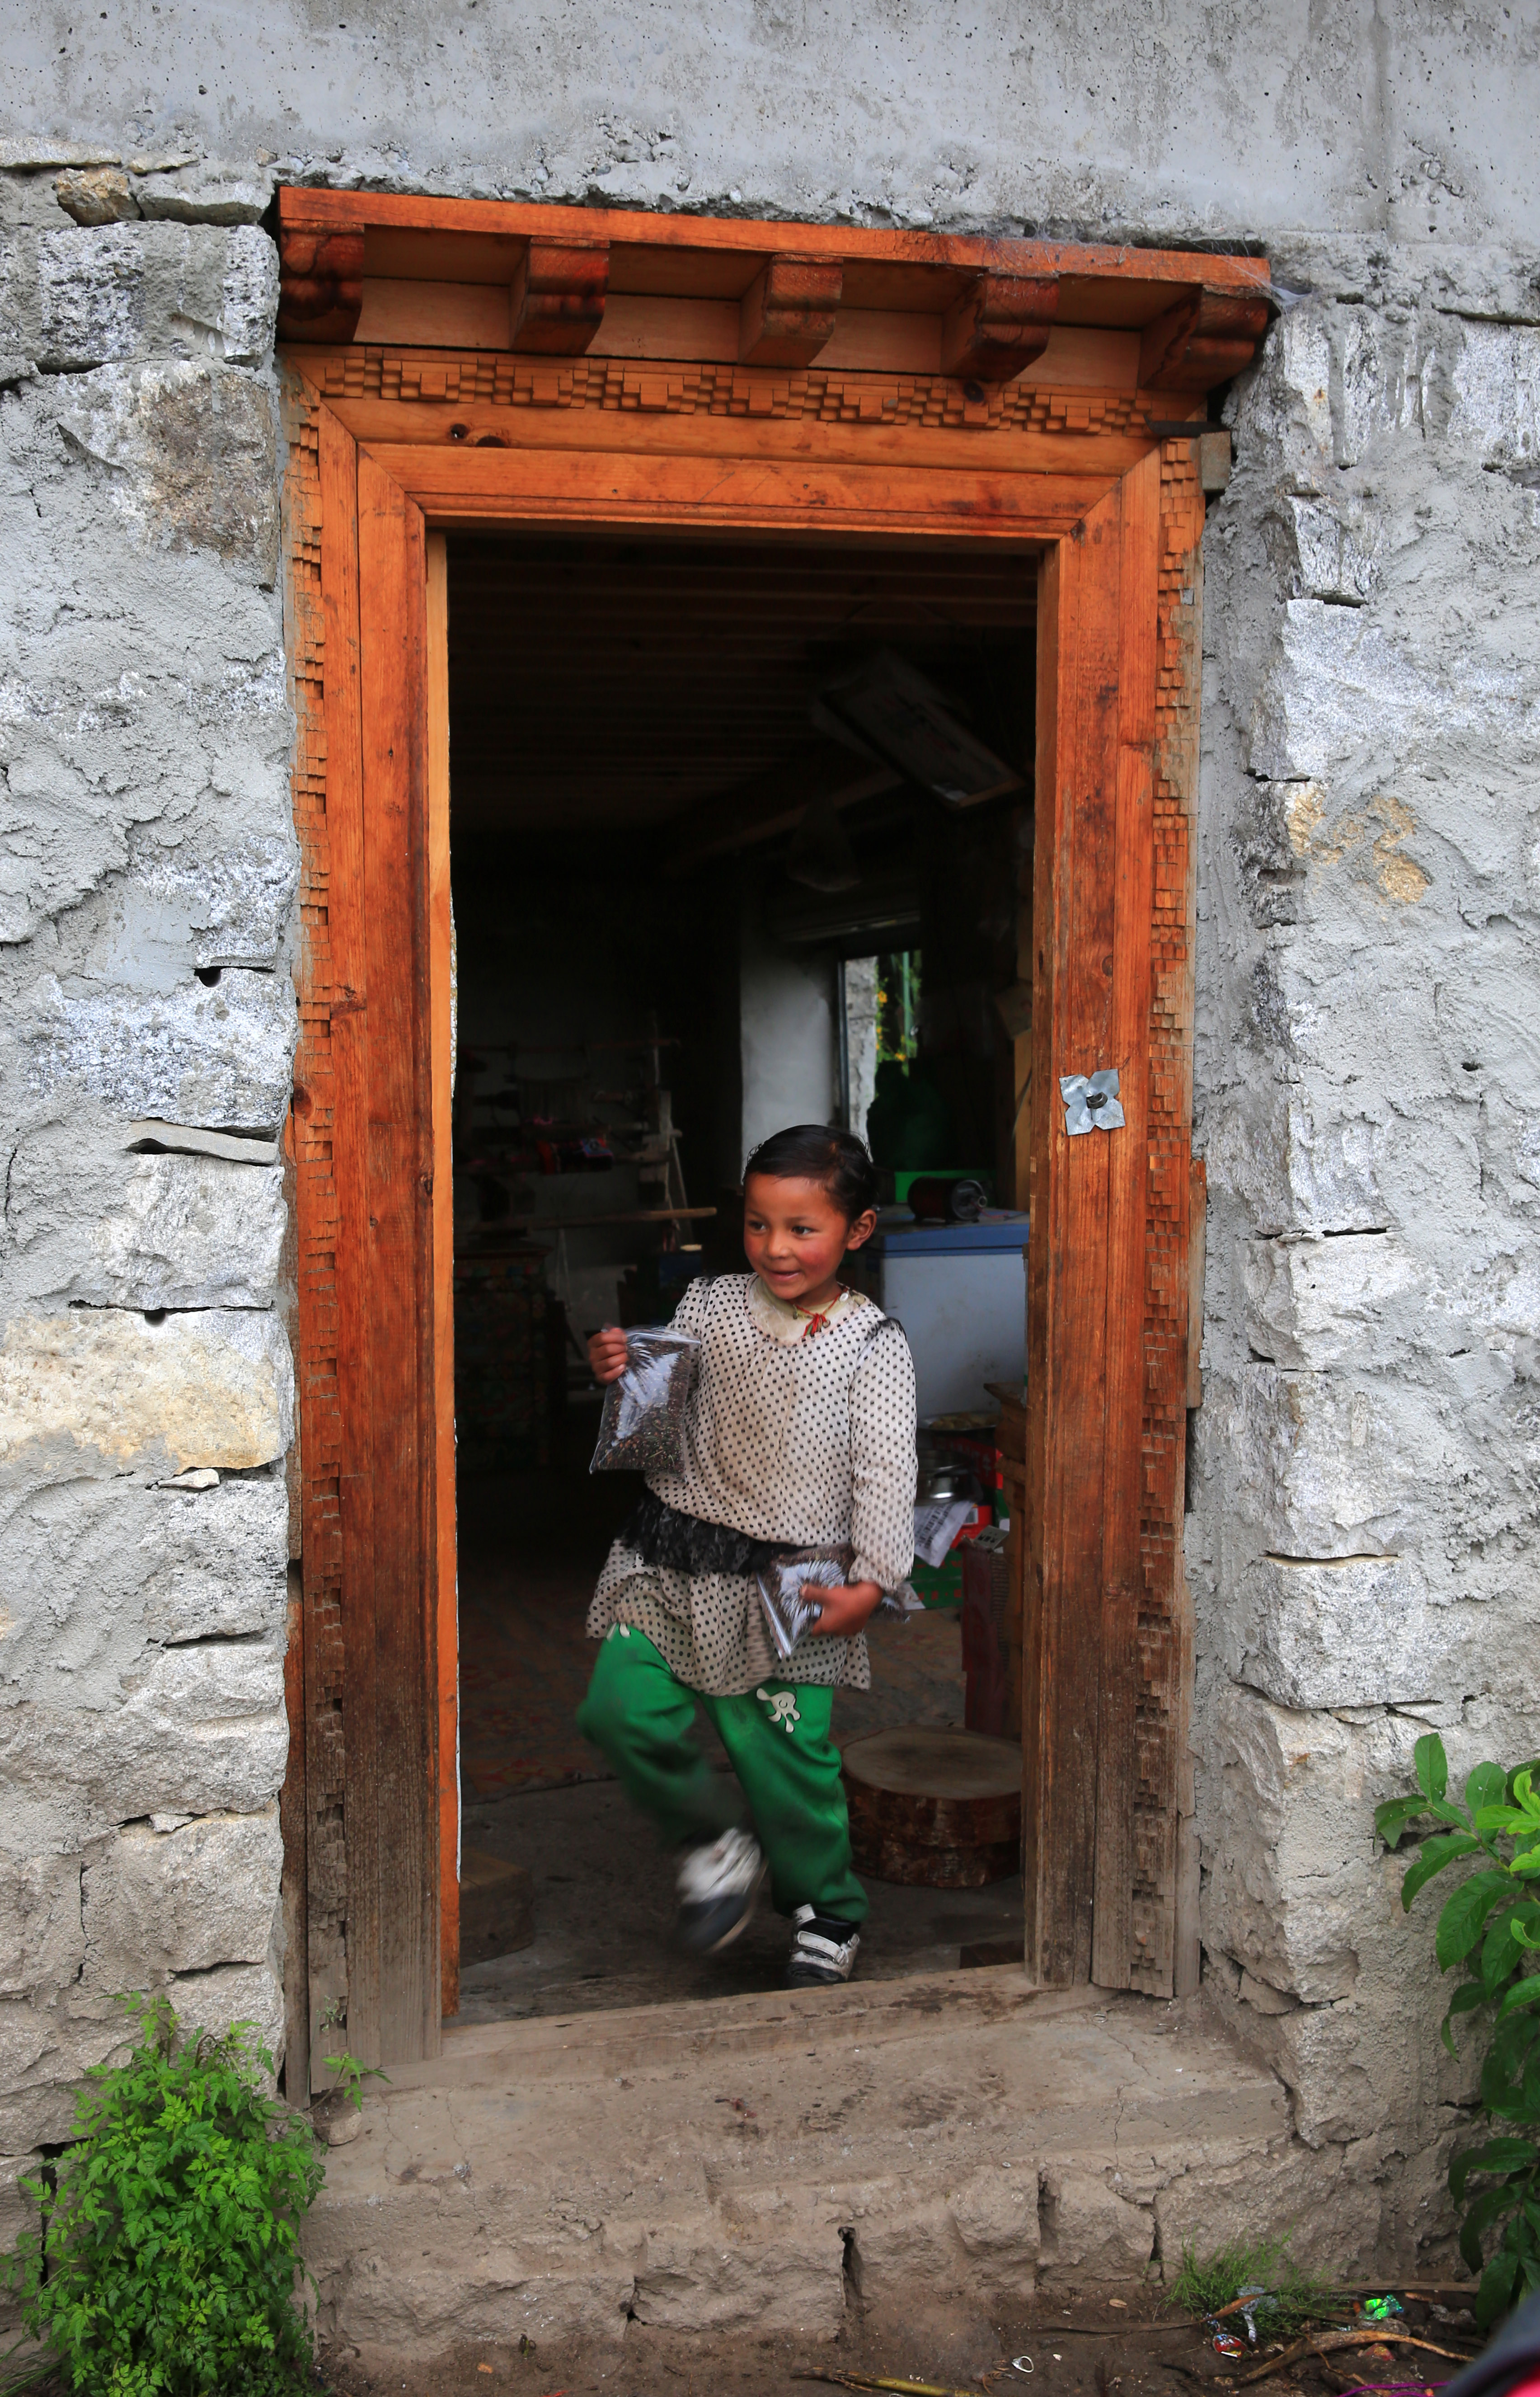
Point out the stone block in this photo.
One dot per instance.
(196, 1729)
(96, 195)
(212, 1388)
(1358, 1298)
(1494, 405)
(208, 193)
(775, 2271)
(1299, 1165)
(1292, 1886)
(193, 1232)
(1321, 1468)
(1289, 2193)
(97, 1574)
(230, 906)
(1355, 1631)
(995, 2214)
(217, 1056)
(41, 1941)
(190, 450)
(91, 297)
(110, 293)
(1089, 2234)
(1333, 558)
(1337, 683)
(183, 1901)
(18, 2212)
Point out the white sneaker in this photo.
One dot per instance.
(719, 1887)
(822, 1951)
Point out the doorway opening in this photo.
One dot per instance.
(741, 836)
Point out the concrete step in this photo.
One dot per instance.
(768, 2161)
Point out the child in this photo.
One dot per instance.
(800, 1434)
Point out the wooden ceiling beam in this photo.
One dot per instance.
(1207, 337)
(772, 802)
(557, 302)
(998, 327)
(789, 310)
(320, 276)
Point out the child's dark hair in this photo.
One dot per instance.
(820, 1153)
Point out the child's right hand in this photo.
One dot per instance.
(607, 1353)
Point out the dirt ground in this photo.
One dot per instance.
(1091, 2347)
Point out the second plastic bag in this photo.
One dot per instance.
(641, 1430)
(789, 1587)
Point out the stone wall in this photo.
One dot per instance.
(147, 879)
(1364, 1483)
(1363, 1479)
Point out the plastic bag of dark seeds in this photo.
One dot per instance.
(789, 1587)
(641, 1430)
(788, 1592)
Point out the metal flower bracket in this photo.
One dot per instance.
(1091, 1101)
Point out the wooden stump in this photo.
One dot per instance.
(497, 1906)
(932, 1808)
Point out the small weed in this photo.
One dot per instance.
(1295, 2297)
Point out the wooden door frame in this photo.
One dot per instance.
(392, 445)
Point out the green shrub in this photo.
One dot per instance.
(1489, 1925)
(168, 2257)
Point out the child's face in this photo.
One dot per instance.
(795, 1238)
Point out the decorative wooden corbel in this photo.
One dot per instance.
(999, 326)
(1203, 340)
(320, 279)
(788, 311)
(558, 298)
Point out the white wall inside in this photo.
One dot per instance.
(789, 1035)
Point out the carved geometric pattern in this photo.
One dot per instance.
(1161, 1648)
(320, 1420)
(811, 394)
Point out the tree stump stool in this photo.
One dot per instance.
(934, 1809)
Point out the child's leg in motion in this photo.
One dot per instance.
(643, 1719)
(778, 1739)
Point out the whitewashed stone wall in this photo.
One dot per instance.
(147, 879)
(1362, 1547)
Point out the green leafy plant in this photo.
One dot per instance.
(1489, 1923)
(1294, 2299)
(351, 2076)
(166, 2262)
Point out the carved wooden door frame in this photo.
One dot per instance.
(395, 441)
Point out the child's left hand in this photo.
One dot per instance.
(846, 1608)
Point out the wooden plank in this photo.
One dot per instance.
(345, 1986)
(457, 487)
(398, 1251)
(473, 432)
(291, 1824)
(1117, 1765)
(1086, 262)
(1072, 914)
(446, 1611)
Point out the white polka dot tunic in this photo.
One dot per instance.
(801, 1429)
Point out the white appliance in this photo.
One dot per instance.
(960, 1291)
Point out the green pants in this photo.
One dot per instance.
(777, 1738)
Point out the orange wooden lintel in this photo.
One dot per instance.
(320, 276)
(788, 312)
(999, 326)
(557, 305)
(1207, 337)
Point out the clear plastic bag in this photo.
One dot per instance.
(641, 1430)
(789, 1585)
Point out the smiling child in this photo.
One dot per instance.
(800, 1434)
